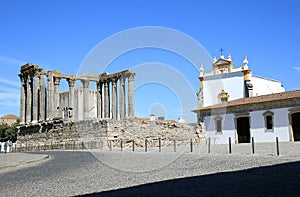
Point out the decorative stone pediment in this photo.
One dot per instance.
(222, 66)
(222, 62)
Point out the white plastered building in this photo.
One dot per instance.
(234, 103)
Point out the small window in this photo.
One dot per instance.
(223, 97)
(224, 100)
(218, 122)
(269, 121)
(219, 126)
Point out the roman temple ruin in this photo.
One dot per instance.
(102, 113)
(40, 99)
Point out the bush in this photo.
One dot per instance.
(8, 132)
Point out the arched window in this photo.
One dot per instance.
(269, 121)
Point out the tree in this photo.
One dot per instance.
(3, 128)
(8, 132)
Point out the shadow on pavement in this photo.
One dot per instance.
(277, 180)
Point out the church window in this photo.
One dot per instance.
(218, 123)
(223, 97)
(269, 121)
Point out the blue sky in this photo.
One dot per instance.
(59, 35)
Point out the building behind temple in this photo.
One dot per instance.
(9, 119)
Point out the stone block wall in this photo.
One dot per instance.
(108, 130)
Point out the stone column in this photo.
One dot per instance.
(122, 106)
(28, 98)
(114, 99)
(99, 99)
(22, 99)
(50, 108)
(131, 95)
(56, 97)
(42, 98)
(85, 84)
(77, 105)
(35, 100)
(106, 100)
(71, 98)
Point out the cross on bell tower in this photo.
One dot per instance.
(221, 50)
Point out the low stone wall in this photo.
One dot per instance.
(112, 132)
(152, 131)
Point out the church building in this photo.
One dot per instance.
(233, 102)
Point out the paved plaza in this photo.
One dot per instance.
(154, 173)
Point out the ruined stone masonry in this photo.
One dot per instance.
(108, 130)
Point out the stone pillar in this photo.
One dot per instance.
(131, 95)
(114, 100)
(56, 97)
(85, 84)
(42, 98)
(22, 99)
(28, 98)
(122, 106)
(35, 100)
(50, 106)
(106, 100)
(71, 98)
(99, 99)
(77, 104)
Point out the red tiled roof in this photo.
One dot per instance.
(255, 100)
(141, 119)
(148, 119)
(171, 121)
(10, 116)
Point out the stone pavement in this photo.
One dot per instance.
(165, 173)
(9, 161)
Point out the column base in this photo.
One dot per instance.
(34, 122)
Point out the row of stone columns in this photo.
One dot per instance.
(113, 106)
(38, 102)
(53, 96)
(32, 94)
(108, 105)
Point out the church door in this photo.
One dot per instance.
(296, 126)
(243, 129)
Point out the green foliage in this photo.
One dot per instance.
(8, 132)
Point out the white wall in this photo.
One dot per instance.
(227, 129)
(281, 126)
(257, 127)
(92, 104)
(78, 103)
(233, 83)
(262, 86)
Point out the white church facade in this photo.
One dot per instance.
(237, 104)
